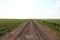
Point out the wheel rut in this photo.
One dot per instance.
(29, 32)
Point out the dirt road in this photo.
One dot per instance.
(30, 31)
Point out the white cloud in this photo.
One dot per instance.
(57, 5)
(20, 9)
(25, 9)
(17, 9)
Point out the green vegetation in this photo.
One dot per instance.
(7, 25)
(53, 24)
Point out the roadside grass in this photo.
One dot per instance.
(7, 25)
(53, 24)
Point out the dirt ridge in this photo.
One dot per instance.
(31, 30)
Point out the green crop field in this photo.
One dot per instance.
(7, 25)
(53, 24)
(52, 20)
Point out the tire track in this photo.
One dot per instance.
(39, 32)
(30, 32)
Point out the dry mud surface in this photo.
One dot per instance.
(30, 30)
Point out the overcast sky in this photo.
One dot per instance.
(29, 8)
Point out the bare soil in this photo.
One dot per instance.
(30, 30)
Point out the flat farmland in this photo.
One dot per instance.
(29, 30)
(7, 25)
(53, 24)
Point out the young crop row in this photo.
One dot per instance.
(8, 26)
(54, 26)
